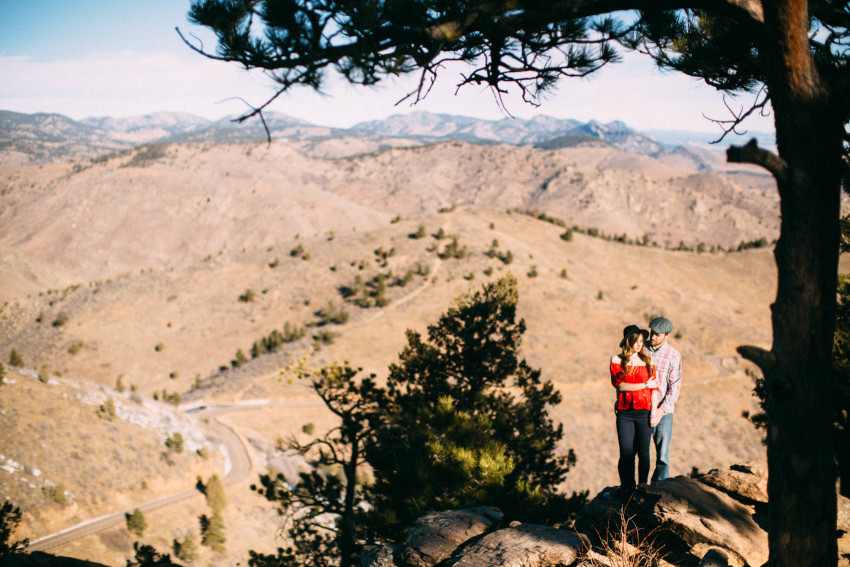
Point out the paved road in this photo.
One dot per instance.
(238, 466)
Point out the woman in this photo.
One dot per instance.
(633, 375)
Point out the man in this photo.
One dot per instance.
(668, 370)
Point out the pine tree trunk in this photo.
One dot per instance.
(801, 485)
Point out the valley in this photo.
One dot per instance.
(135, 272)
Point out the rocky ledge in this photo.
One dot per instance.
(714, 519)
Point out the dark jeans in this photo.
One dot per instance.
(634, 435)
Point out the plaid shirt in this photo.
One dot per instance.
(668, 369)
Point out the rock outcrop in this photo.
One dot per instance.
(716, 519)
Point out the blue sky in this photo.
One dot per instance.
(117, 58)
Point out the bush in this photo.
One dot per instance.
(274, 263)
(15, 359)
(214, 493)
(185, 550)
(175, 442)
(212, 532)
(324, 337)
(2, 372)
(420, 232)
(247, 296)
(239, 359)
(159, 347)
(136, 523)
(106, 410)
(56, 494)
(61, 319)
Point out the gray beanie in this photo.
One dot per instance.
(661, 325)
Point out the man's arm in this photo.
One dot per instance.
(674, 386)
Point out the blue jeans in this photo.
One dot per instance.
(662, 434)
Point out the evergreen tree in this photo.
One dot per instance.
(186, 549)
(333, 487)
(212, 532)
(465, 377)
(10, 518)
(136, 523)
(147, 556)
(15, 359)
(214, 493)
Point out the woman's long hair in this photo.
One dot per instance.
(629, 349)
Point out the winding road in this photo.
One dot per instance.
(238, 466)
(238, 463)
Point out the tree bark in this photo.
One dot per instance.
(801, 484)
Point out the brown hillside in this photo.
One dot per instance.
(140, 211)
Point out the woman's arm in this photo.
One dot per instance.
(652, 383)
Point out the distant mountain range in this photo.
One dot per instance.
(44, 138)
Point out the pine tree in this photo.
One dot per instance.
(15, 359)
(186, 549)
(10, 518)
(136, 523)
(212, 532)
(214, 493)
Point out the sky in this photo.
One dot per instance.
(87, 58)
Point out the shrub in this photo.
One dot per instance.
(239, 359)
(532, 273)
(204, 453)
(15, 359)
(324, 337)
(56, 494)
(453, 250)
(119, 385)
(106, 410)
(333, 314)
(567, 235)
(247, 296)
(136, 523)
(185, 550)
(214, 493)
(274, 263)
(43, 374)
(61, 319)
(420, 232)
(2, 372)
(212, 532)
(159, 347)
(175, 442)
(308, 428)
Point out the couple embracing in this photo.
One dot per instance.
(647, 373)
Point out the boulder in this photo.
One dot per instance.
(693, 517)
(523, 545)
(746, 483)
(435, 536)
